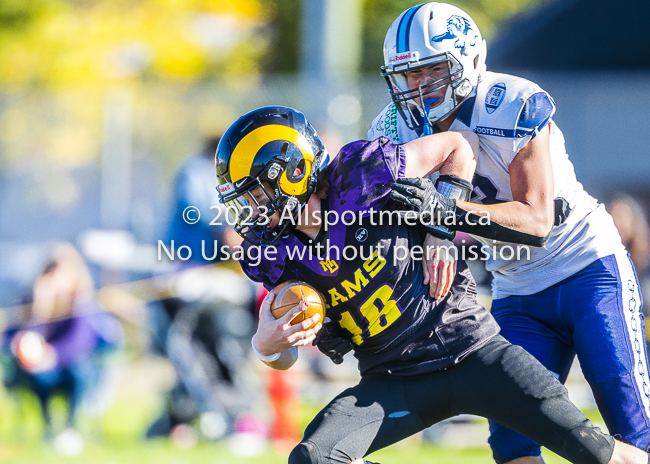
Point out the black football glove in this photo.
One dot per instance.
(420, 195)
(331, 344)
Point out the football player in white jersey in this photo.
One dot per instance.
(577, 294)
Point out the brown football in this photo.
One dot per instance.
(291, 294)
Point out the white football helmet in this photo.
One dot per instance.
(428, 34)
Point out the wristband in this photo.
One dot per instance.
(269, 358)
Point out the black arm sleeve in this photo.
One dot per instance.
(475, 225)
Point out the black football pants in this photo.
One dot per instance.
(500, 381)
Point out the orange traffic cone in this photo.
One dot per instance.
(283, 393)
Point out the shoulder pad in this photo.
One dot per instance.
(535, 114)
(363, 175)
(511, 107)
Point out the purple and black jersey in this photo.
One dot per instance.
(369, 277)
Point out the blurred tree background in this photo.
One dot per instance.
(85, 42)
(81, 42)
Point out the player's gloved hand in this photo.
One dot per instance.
(331, 344)
(420, 195)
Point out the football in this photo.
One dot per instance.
(291, 294)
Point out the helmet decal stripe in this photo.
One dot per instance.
(246, 150)
(404, 29)
(408, 27)
(401, 33)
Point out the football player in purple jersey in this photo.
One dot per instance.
(421, 360)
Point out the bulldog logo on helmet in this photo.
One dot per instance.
(458, 28)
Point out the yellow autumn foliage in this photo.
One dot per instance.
(63, 43)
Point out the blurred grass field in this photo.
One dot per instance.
(116, 437)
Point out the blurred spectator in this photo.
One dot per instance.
(632, 224)
(204, 329)
(205, 318)
(195, 187)
(61, 345)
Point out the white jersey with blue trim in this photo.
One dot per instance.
(507, 113)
